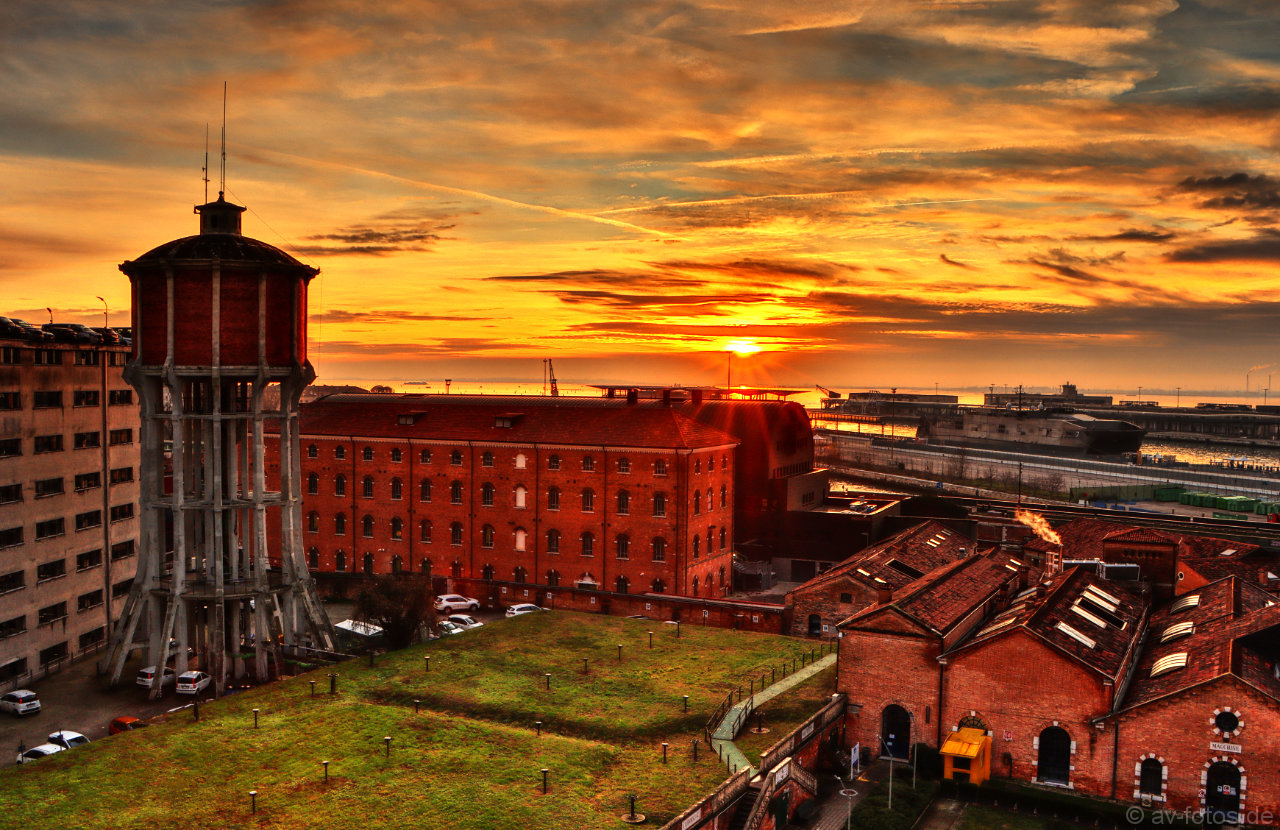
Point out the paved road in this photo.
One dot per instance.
(77, 699)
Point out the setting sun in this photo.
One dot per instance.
(742, 347)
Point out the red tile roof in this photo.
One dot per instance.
(1235, 628)
(1140, 535)
(899, 560)
(565, 421)
(1252, 565)
(943, 598)
(1064, 615)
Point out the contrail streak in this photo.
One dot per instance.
(738, 200)
(476, 194)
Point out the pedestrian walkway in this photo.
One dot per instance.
(722, 738)
(834, 808)
(942, 814)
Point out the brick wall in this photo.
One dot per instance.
(505, 512)
(1020, 687)
(1178, 731)
(824, 599)
(911, 683)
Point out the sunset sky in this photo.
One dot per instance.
(875, 193)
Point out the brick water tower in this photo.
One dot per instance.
(219, 362)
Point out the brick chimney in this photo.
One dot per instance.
(884, 594)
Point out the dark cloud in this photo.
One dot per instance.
(1131, 235)
(368, 240)
(606, 277)
(387, 316)
(1236, 191)
(1264, 247)
(948, 260)
(703, 302)
(448, 345)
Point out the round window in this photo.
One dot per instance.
(1227, 722)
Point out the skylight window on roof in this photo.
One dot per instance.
(1025, 593)
(1182, 604)
(1228, 552)
(1177, 630)
(1090, 617)
(881, 581)
(997, 625)
(864, 571)
(1088, 642)
(1167, 664)
(1016, 563)
(1103, 597)
(904, 568)
(933, 543)
(1089, 603)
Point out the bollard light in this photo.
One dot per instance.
(255, 718)
(544, 780)
(664, 752)
(695, 749)
(633, 807)
(650, 639)
(387, 741)
(326, 771)
(426, 661)
(686, 703)
(548, 681)
(619, 652)
(253, 794)
(584, 665)
(416, 703)
(538, 724)
(313, 688)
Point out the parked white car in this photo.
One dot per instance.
(147, 676)
(463, 621)
(446, 627)
(456, 602)
(35, 753)
(20, 702)
(67, 739)
(523, 608)
(193, 682)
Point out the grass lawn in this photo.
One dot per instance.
(786, 712)
(979, 817)
(469, 759)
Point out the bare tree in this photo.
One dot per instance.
(400, 604)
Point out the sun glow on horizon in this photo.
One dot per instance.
(742, 348)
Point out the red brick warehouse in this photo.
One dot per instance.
(619, 495)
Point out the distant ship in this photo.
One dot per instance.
(1054, 430)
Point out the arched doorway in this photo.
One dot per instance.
(1222, 790)
(895, 731)
(1054, 757)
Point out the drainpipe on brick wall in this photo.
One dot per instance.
(1115, 756)
(942, 672)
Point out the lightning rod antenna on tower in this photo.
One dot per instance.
(222, 177)
(204, 171)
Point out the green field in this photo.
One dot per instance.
(469, 759)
